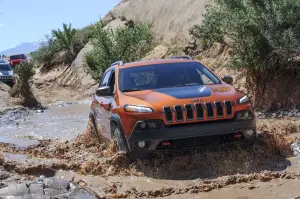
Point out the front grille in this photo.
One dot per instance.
(6, 77)
(178, 113)
(219, 108)
(168, 114)
(209, 110)
(198, 112)
(189, 111)
(228, 105)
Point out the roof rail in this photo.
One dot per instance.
(119, 63)
(182, 57)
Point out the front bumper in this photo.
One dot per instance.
(187, 133)
(7, 81)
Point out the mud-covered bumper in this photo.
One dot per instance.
(155, 140)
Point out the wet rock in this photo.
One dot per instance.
(57, 183)
(37, 189)
(11, 116)
(15, 189)
(4, 175)
(81, 194)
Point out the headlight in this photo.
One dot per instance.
(244, 99)
(137, 109)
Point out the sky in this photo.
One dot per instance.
(30, 20)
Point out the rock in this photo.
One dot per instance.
(15, 189)
(253, 187)
(37, 189)
(4, 175)
(57, 183)
(81, 194)
(54, 192)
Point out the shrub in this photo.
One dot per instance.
(24, 72)
(66, 40)
(263, 35)
(129, 43)
(69, 40)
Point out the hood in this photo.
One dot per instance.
(183, 95)
(5, 72)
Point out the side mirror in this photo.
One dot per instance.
(227, 79)
(104, 91)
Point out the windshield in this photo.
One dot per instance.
(164, 76)
(17, 57)
(5, 67)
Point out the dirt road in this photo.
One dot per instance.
(42, 146)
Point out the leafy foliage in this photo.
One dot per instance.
(69, 40)
(263, 34)
(24, 72)
(129, 43)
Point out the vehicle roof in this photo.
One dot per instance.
(157, 61)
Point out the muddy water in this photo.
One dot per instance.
(62, 122)
(65, 121)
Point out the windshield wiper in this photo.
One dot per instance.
(131, 90)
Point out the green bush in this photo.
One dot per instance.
(69, 40)
(129, 43)
(24, 73)
(263, 35)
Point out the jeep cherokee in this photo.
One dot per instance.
(16, 59)
(6, 74)
(169, 104)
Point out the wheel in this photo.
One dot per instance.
(119, 138)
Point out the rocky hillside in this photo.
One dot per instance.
(171, 19)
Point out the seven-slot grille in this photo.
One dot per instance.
(192, 112)
(6, 77)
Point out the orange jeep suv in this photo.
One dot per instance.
(169, 104)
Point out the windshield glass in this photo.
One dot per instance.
(165, 75)
(17, 57)
(5, 67)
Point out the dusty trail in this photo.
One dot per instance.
(47, 143)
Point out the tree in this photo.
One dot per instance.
(263, 35)
(66, 39)
(129, 43)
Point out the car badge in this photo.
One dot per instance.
(196, 100)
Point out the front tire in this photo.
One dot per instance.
(119, 138)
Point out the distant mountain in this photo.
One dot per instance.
(23, 48)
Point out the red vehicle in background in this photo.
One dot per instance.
(16, 59)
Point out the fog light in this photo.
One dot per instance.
(249, 132)
(142, 125)
(152, 125)
(141, 144)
